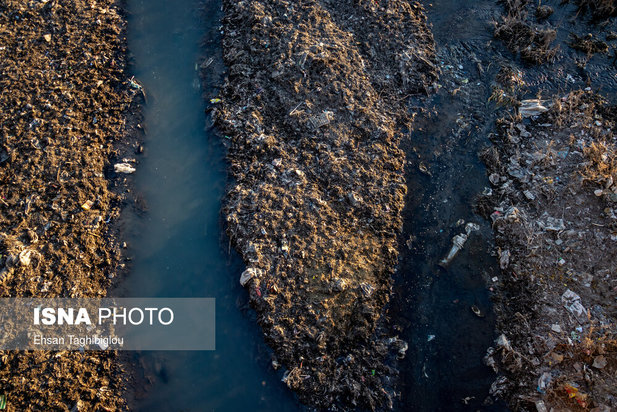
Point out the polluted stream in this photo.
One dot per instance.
(444, 310)
(174, 232)
(434, 304)
(174, 229)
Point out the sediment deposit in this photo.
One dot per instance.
(313, 110)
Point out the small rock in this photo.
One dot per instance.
(47, 37)
(556, 328)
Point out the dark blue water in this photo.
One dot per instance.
(176, 243)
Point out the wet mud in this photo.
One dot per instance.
(312, 112)
(63, 123)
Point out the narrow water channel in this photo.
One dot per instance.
(444, 369)
(174, 230)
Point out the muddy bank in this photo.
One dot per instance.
(312, 111)
(552, 208)
(62, 124)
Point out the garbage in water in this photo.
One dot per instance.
(249, 274)
(476, 310)
(458, 242)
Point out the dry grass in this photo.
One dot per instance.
(532, 41)
(599, 9)
(602, 166)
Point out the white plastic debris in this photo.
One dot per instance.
(249, 274)
(25, 257)
(124, 168)
(543, 381)
(504, 258)
(572, 302)
(503, 342)
(547, 222)
(458, 242)
(540, 406)
(532, 107)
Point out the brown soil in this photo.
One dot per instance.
(63, 113)
(313, 112)
(553, 211)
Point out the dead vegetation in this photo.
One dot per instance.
(598, 9)
(588, 44)
(532, 41)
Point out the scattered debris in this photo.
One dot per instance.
(521, 35)
(476, 311)
(532, 107)
(124, 168)
(65, 113)
(557, 294)
(249, 274)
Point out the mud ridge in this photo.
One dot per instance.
(312, 111)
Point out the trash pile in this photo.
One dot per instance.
(312, 111)
(62, 115)
(553, 202)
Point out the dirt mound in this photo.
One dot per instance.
(553, 205)
(313, 111)
(63, 109)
